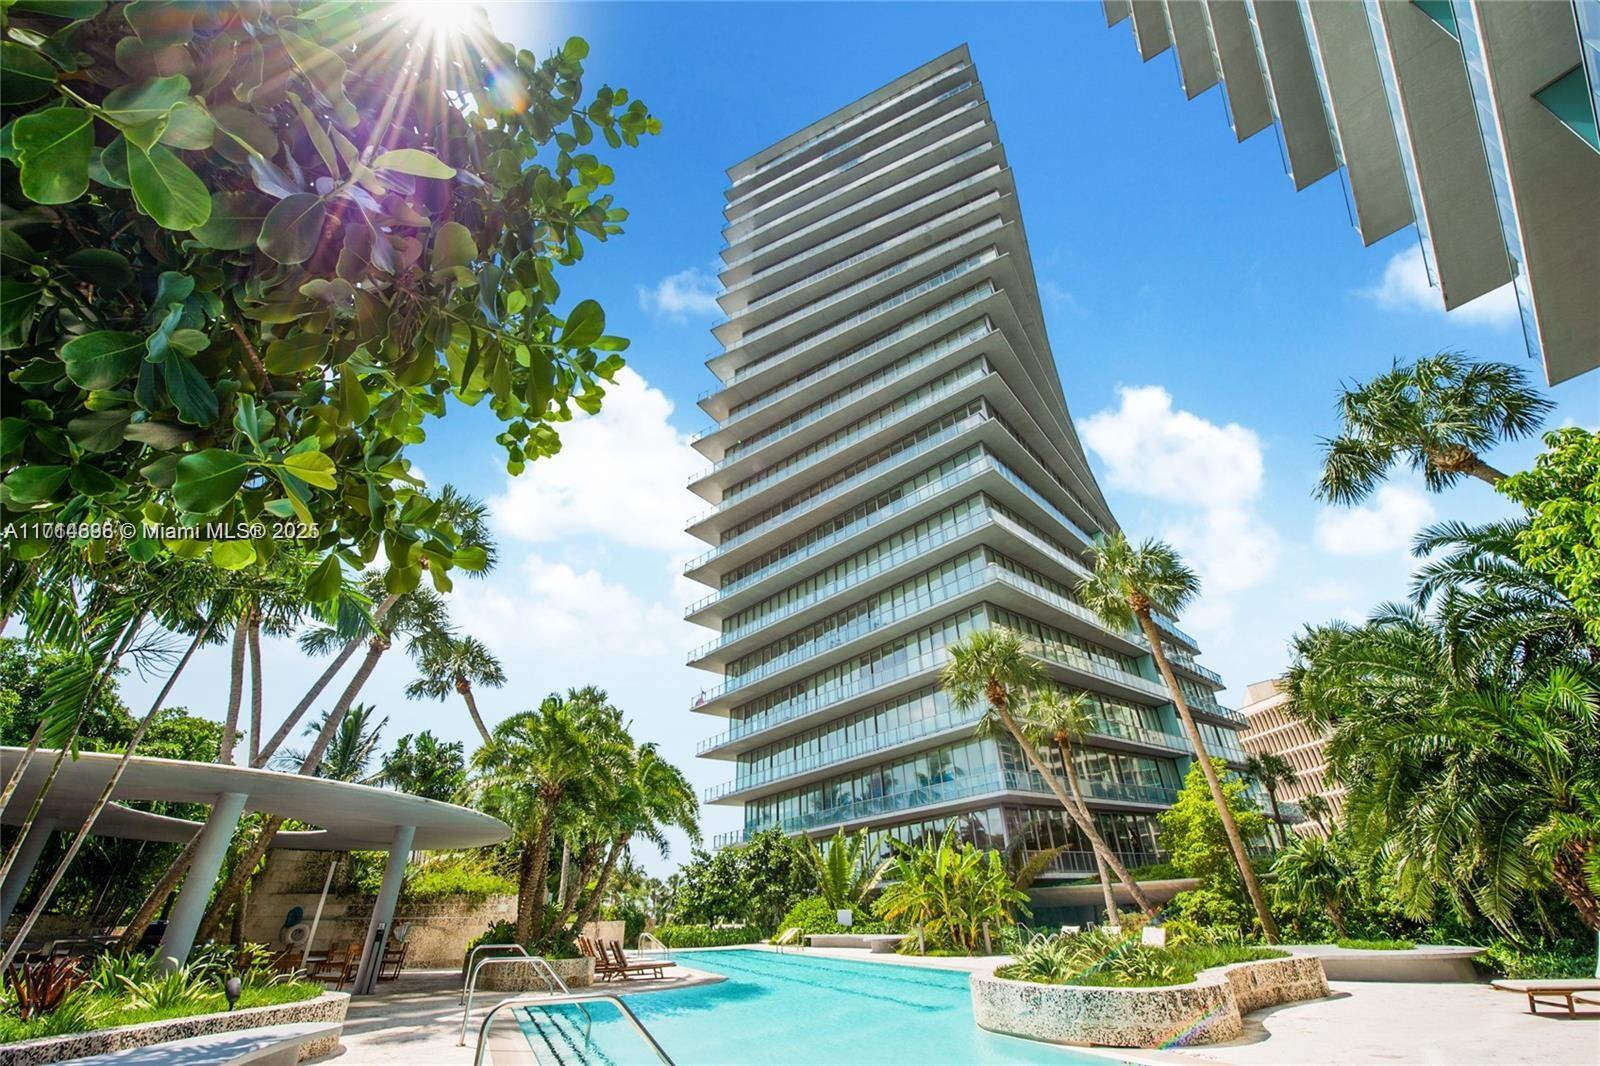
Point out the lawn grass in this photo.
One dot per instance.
(1374, 945)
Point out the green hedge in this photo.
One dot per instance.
(705, 936)
(814, 915)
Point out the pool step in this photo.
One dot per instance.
(558, 1039)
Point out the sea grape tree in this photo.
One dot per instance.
(251, 250)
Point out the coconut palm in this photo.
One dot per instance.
(354, 746)
(1129, 585)
(1311, 872)
(990, 667)
(1064, 720)
(1273, 772)
(844, 869)
(1438, 415)
(455, 664)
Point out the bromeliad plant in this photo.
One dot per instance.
(251, 250)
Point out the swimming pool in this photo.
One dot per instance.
(781, 1009)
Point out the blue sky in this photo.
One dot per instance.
(1200, 310)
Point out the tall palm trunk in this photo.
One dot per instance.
(99, 680)
(550, 799)
(1466, 461)
(134, 931)
(1568, 872)
(1064, 746)
(588, 859)
(104, 798)
(464, 687)
(525, 879)
(230, 721)
(1277, 816)
(1241, 857)
(998, 700)
(228, 896)
(270, 748)
(592, 904)
(253, 645)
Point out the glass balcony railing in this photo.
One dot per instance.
(1083, 663)
(862, 204)
(1183, 658)
(910, 160)
(863, 430)
(1083, 863)
(871, 311)
(854, 120)
(911, 499)
(872, 383)
(944, 534)
(850, 164)
(961, 787)
(866, 253)
(894, 270)
(811, 503)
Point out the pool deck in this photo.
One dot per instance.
(418, 1018)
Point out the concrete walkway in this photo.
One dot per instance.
(1379, 1022)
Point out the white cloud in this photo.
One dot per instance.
(1405, 287)
(688, 293)
(619, 476)
(1058, 296)
(1385, 525)
(1209, 475)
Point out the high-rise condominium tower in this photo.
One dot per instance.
(893, 467)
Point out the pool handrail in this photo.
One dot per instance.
(656, 944)
(571, 997)
(472, 956)
(540, 965)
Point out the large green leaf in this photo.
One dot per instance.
(149, 100)
(24, 74)
(53, 148)
(162, 22)
(191, 393)
(207, 480)
(102, 359)
(100, 431)
(296, 353)
(235, 220)
(291, 230)
(453, 246)
(167, 189)
(232, 554)
(101, 267)
(585, 324)
(189, 127)
(314, 468)
(34, 484)
(414, 161)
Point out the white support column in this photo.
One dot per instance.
(383, 910)
(32, 845)
(184, 919)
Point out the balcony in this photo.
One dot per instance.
(943, 792)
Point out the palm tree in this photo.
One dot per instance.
(1127, 586)
(522, 775)
(421, 765)
(1313, 872)
(1316, 808)
(844, 870)
(1273, 772)
(455, 664)
(355, 743)
(1065, 720)
(1438, 415)
(991, 667)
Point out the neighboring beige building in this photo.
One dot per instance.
(1272, 727)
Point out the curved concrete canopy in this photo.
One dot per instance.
(350, 816)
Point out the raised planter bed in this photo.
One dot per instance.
(328, 1007)
(1426, 963)
(525, 977)
(1204, 1012)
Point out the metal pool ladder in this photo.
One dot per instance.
(649, 942)
(570, 997)
(539, 963)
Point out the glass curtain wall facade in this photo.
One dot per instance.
(891, 466)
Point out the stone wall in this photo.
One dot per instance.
(1204, 1012)
(526, 977)
(328, 1007)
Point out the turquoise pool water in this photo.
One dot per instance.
(782, 1009)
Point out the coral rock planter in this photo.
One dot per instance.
(1204, 1012)
(525, 977)
(328, 1007)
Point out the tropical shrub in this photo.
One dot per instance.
(252, 248)
(951, 892)
(1313, 873)
(1102, 958)
(1562, 495)
(463, 875)
(845, 870)
(817, 915)
(1506, 958)
(707, 936)
(37, 988)
(1192, 832)
(1357, 944)
(753, 882)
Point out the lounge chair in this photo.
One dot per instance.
(657, 968)
(394, 960)
(604, 968)
(338, 965)
(1553, 989)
